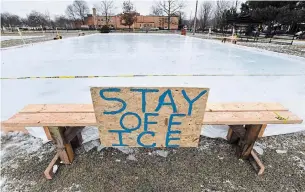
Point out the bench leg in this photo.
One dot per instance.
(256, 163)
(246, 143)
(65, 139)
(47, 132)
(235, 133)
(48, 173)
(261, 133)
(245, 137)
(77, 140)
(63, 148)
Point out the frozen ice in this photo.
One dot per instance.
(258, 149)
(161, 153)
(99, 148)
(126, 150)
(131, 158)
(5, 38)
(91, 144)
(281, 151)
(90, 134)
(55, 168)
(123, 54)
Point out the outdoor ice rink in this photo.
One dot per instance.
(233, 73)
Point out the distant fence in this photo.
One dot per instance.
(285, 39)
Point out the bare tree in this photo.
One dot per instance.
(78, 10)
(170, 8)
(236, 3)
(71, 13)
(128, 7)
(156, 11)
(129, 15)
(106, 9)
(49, 21)
(221, 6)
(62, 22)
(190, 20)
(205, 14)
(10, 20)
(36, 19)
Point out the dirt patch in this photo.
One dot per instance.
(212, 166)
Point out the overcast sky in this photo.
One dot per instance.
(57, 7)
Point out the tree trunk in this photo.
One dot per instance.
(168, 22)
(106, 19)
(169, 15)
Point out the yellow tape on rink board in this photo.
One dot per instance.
(151, 75)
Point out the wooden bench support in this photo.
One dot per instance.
(63, 148)
(65, 139)
(256, 163)
(246, 143)
(235, 133)
(245, 137)
(77, 140)
(49, 170)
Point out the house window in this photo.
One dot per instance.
(140, 25)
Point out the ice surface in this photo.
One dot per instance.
(117, 54)
(5, 38)
(131, 158)
(281, 151)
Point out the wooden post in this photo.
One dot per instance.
(47, 132)
(63, 148)
(261, 133)
(246, 143)
(77, 140)
(49, 170)
(235, 133)
(292, 39)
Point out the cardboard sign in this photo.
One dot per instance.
(149, 117)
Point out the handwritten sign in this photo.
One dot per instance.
(149, 117)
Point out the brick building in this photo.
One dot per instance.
(93, 21)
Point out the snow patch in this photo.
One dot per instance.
(55, 168)
(281, 151)
(131, 158)
(89, 134)
(161, 153)
(126, 150)
(91, 144)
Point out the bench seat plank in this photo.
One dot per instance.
(220, 107)
(210, 118)
(239, 107)
(58, 108)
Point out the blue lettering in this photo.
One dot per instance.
(169, 131)
(113, 99)
(120, 137)
(141, 135)
(130, 128)
(146, 122)
(192, 101)
(144, 91)
(162, 98)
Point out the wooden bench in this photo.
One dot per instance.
(63, 124)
